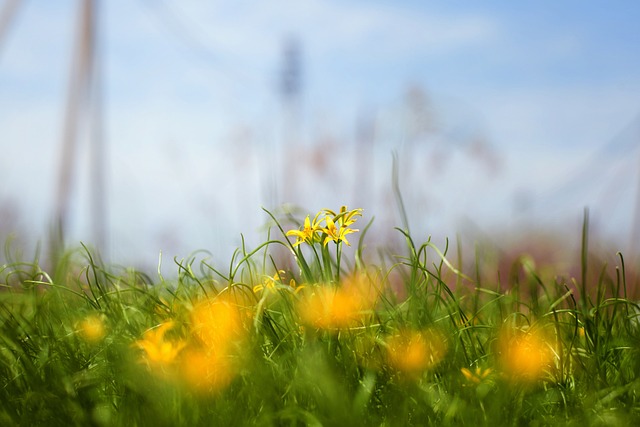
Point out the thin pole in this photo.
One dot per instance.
(79, 79)
(98, 158)
(7, 17)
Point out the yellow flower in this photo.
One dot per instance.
(312, 231)
(270, 282)
(412, 352)
(525, 355)
(158, 351)
(92, 328)
(207, 371)
(329, 307)
(337, 234)
(477, 376)
(344, 218)
(217, 322)
(309, 233)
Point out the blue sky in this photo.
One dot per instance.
(545, 83)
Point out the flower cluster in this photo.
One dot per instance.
(327, 226)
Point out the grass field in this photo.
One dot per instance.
(301, 331)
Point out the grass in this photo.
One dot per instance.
(301, 331)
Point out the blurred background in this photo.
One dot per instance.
(143, 126)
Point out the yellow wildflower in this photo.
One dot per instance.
(476, 376)
(207, 371)
(158, 351)
(329, 307)
(92, 328)
(335, 233)
(525, 355)
(344, 218)
(413, 352)
(217, 322)
(270, 282)
(309, 233)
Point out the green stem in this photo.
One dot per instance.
(326, 261)
(338, 256)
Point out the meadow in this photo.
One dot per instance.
(312, 328)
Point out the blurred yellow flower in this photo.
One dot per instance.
(412, 352)
(329, 307)
(477, 376)
(92, 328)
(207, 371)
(270, 282)
(217, 322)
(525, 355)
(159, 352)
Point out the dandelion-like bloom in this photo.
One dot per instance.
(217, 322)
(525, 355)
(476, 376)
(92, 328)
(158, 351)
(207, 370)
(328, 307)
(218, 325)
(413, 352)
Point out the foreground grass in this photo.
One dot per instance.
(300, 331)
